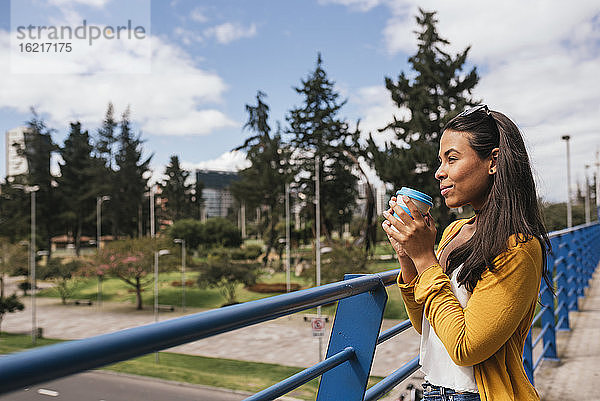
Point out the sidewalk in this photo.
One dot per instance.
(577, 374)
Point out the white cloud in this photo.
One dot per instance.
(538, 62)
(228, 161)
(93, 3)
(228, 32)
(377, 110)
(198, 16)
(187, 36)
(360, 5)
(177, 98)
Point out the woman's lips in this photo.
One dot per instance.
(445, 190)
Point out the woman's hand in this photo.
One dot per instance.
(415, 236)
(400, 252)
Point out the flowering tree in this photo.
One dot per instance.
(132, 261)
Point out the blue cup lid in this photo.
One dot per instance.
(413, 193)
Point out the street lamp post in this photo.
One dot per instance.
(99, 201)
(587, 195)
(569, 212)
(152, 232)
(156, 255)
(318, 241)
(182, 242)
(32, 190)
(287, 238)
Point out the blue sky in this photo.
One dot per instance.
(538, 63)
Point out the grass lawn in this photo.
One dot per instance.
(216, 372)
(115, 290)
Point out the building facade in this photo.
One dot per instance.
(216, 195)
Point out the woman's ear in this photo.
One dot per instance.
(494, 161)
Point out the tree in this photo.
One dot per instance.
(197, 200)
(318, 131)
(65, 276)
(105, 175)
(263, 183)
(14, 259)
(223, 272)
(38, 149)
(218, 231)
(437, 91)
(14, 211)
(177, 192)
(76, 182)
(9, 305)
(131, 178)
(132, 261)
(106, 137)
(341, 259)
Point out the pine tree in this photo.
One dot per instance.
(106, 137)
(38, 149)
(130, 178)
(177, 192)
(76, 183)
(263, 183)
(197, 200)
(105, 174)
(318, 131)
(437, 91)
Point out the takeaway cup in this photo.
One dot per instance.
(422, 201)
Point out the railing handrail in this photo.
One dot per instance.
(573, 264)
(58, 360)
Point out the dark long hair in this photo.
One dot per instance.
(511, 206)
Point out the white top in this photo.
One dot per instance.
(435, 362)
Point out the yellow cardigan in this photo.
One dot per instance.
(489, 333)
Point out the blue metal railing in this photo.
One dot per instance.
(574, 257)
(345, 370)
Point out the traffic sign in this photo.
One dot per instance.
(318, 326)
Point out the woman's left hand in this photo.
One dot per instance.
(415, 235)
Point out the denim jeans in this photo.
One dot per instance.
(436, 393)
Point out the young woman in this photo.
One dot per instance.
(474, 300)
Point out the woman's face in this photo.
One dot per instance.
(464, 177)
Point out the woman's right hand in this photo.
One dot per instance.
(395, 244)
(408, 267)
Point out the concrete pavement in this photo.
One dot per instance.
(577, 373)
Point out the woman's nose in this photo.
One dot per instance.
(440, 174)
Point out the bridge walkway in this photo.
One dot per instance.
(577, 375)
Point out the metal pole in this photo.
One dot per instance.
(98, 219)
(243, 217)
(318, 242)
(569, 211)
(596, 181)
(183, 274)
(152, 233)
(152, 211)
(287, 238)
(98, 229)
(587, 195)
(33, 279)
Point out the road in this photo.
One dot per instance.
(100, 386)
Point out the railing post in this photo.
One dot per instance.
(571, 274)
(547, 299)
(357, 324)
(580, 264)
(528, 358)
(562, 287)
